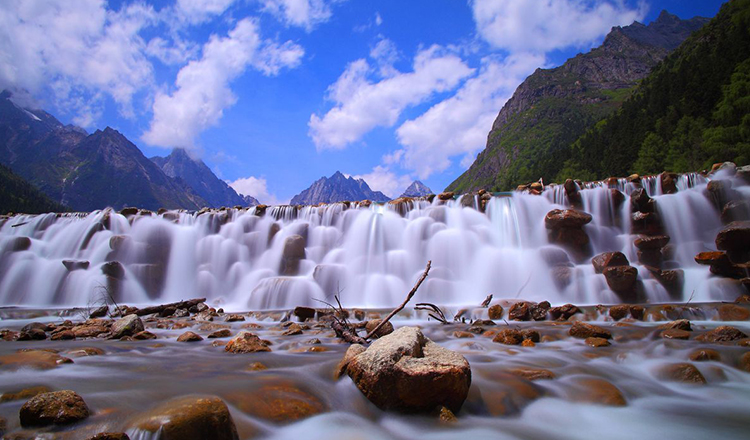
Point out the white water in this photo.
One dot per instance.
(370, 255)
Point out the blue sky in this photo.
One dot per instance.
(274, 94)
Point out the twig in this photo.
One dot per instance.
(691, 298)
(432, 307)
(523, 287)
(401, 307)
(111, 298)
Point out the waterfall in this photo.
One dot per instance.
(369, 255)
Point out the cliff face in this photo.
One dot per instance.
(553, 107)
(337, 188)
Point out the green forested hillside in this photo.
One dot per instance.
(691, 111)
(19, 196)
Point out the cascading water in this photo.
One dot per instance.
(369, 255)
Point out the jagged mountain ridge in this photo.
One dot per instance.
(85, 172)
(201, 179)
(19, 196)
(416, 189)
(338, 188)
(553, 107)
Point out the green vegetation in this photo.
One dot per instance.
(693, 110)
(19, 196)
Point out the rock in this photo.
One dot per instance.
(621, 279)
(712, 258)
(733, 312)
(564, 312)
(292, 330)
(446, 196)
(99, 312)
(562, 276)
(648, 223)
(304, 313)
(53, 408)
(63, 335)
(539, 311)
(144, 336)
(407, 372)
(72, 265)
(682, 372)
(640, 201)
(462, 335)
(584, 330)
(508, 336)
(246, 342)
(736, 210)
(598, 391)
(26, 393)
(110, 436)
(167, 311)
(127, 326)
(495, 311)
(187, 418)
(609, 259)
(533, 374)
(446, 415)
(723, 333)
(38, 359)
(189, 337)
(294, 252)
(520, 311)
(223, 333)
(386, 329)
(351, 352)
(619, 312)
(234, 318)
(113, 269)
(734, 236)
(636, 312)
(566, 218)
(729, 167)
(280, 401)
(680, 324)
(655, 242)
(675, 334)
(668, 183)
(704, 354)
(32, 334)
(744, 363)
(597, 342)
(89, 330)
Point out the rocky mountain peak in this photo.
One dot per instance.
(417, 189)
(337, 188)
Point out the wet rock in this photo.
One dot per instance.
(72, 265)
(181, 313)
(680, 324)
(675, 334)
(188, 418)
(279, 402)
(723, 333)
(38, 359)
(621, 279)
(712, 258)
(704, 354)
(619, 312)
(533, 374)
(520, 311)
(223, 333)
(640, 201)
(113, 269)
(734, 236)
(566, 218)
(528, 343)
(508, 336)
(351, 352)
(9, 335)
(127, 326)
(682, 372)
(561, 276)
(189, 337)
(668, 182)
(733, 312)
(584, 330)
(462, 335)
(63, 335)
(736, 210)
(292, 330)
(386, 329)
(32, 334)
(407, 372)
(446, 416)
(26, 393)
(294, 252)
(445, 196)
(636, 312)
(234, 318)
(144, 336)
(86, 351)
(53, 408)
(495, 311)
(564, 312)
(609, 259)
(99, 312)
(599, 391)
(246, 342)
(597, 342)
(744, 363)
(89, 330)
(651, 243)
(304, 313)
(648, 223)
(167, 311)
(539, 311)
(530, 335)
(110, 436)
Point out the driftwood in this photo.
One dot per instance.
(403, 304)
(439, 315)
(177, 305)
(487, 301)
(347, 333)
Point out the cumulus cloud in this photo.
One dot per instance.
(197, 11)
(174, 52)
(545, 25)
(80, 50)
(301, 13)
(459, 125)
(202, 86)
(256, 187)
(361, 105)
(381, 178)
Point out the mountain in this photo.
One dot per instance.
(19, 196)
(85, 172)
(531, 135)
(200, 178)
(337, 188)
(416, 189)
(690, 112)
(249, 200)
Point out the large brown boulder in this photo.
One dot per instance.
(609, 259)
(54, 408)
(566, 218)
(246, 342)
(734, 236)
(407, 372)
(187, 418)
(294, 252)
(621, 279)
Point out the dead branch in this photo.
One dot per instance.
(177, 305)
(486, 302)
(346, 333)
(524, 286)
(403, 304)
(109, 299)
(433, 308)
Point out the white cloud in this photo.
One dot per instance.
(382, 179)
(302, 13)
(459, 124)
(362, 105)
(256, 187)
(175, 52)
(197, 11)
(80, 50)
(203, 90)
(385, 55)
(378, 19)
(545, 25)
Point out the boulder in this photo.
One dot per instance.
(508, 336)
(733, 312)
(640, 201)
(407, 372)
(304, 313)
(113, 269)
(566, 218)
(53, 408)
(734, 236)
(723, 333)
(648, 223)
(351, 352)
(246, 342)
(386, 329)
(294, 252)
(621, 279)
(609, 259)
(495, 311)
(598, 391)
(655, 242)
(584, 330)
(72, 265)
(189, 337)
(736, 210)
(682, 372)
(704, 354)
(446, 196)
(222, 333)
(187, 418)
(127, 326)
(668, 183)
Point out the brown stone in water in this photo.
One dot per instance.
(609, 259)
(86, 351)
(745, 362)
(110, 436)
(234, 318)
(25, 393)
(564, 312)
(292, 330)
(530, 335)
(533, 373)
(594, 390)
(675, 334)
(246, 342)
(619, 312)
(682, 372)
(733, 312)
(680, 324)
(189, 337)
(597, 342)
(621, 279)
(520, 311)
(63, 335)
(446, 415)
(38, 359)
(528, 343)
(386, 329)
(407, 372)
(53, 408)
(223, 333)
(584, 330)
(256, 366)
(279, 402)
(508, 336)
(188, 418)
(705, 354)
(304, 313)
(723, 333)
(462, 334)
(495, 311)
(655, 242)
(566, 218)
(637, 312)
(352, 351)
